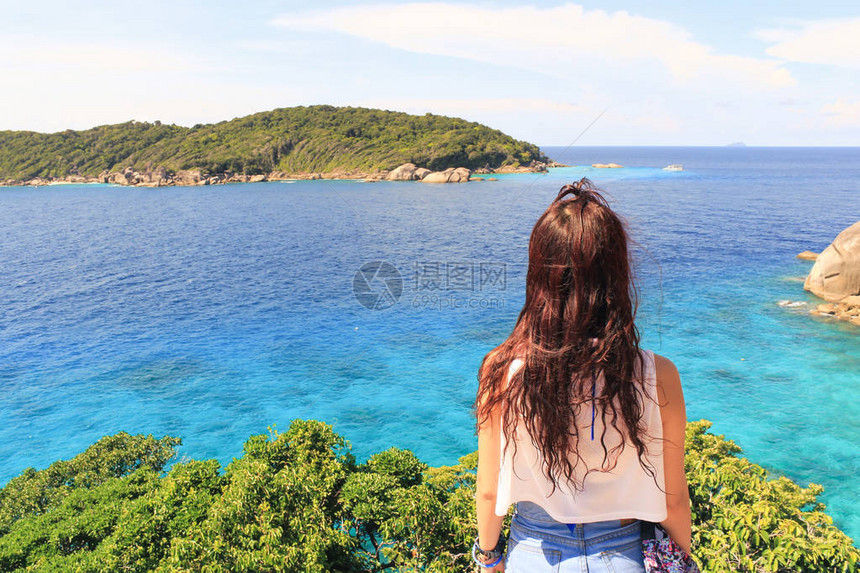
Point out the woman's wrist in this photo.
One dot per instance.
(488, 557)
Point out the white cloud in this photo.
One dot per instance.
(558, 122)
(830, 42)
(52, 87)
(563, 40)
(540, 74)
(90, 59)
(842, 113)
(467, 107)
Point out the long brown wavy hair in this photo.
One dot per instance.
(577, 323)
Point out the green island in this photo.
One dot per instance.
(299, 501)
(297, 142)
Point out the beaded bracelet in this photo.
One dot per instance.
(497, 550)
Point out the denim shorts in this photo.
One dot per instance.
(540, 544)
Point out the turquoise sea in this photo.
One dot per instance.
(210, 313)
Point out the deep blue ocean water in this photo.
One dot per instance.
(210, 313)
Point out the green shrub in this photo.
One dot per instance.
(73, 527)
(34, 492)
(743, 521)
(410, 517)
(146, 527)
(278, 510)
(299, 502)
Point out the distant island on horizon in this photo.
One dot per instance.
(298, 142)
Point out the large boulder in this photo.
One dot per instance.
(189, 177)
(154, 177)
(125, 177)
(450, 175)
(128, 176)
(836, 273)
(406, 172)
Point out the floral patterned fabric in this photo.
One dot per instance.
(662, 555)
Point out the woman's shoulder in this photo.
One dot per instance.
(668, 381)
(664, 368)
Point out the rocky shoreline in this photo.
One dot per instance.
(161, 177)
(835, 277)
(847, 309)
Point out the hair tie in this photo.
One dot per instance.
(581, 188)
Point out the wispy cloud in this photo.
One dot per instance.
(563, 40)
(51, 86)
(830, 42)
(537, 70)
(89, 58)
(842, 113)
(489, 105)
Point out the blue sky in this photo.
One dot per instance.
(666, 73)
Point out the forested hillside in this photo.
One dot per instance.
(299, 139)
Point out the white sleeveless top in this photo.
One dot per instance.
(627, 491)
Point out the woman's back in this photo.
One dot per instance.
(615, 485)
(588, 436)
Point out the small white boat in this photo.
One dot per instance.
(674, 167)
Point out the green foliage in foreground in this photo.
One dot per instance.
(299, 139)
(298, 501)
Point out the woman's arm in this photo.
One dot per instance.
(674, 415)
(489, 446)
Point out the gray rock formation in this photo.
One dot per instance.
(128, 176)
(847, 309)
(450, 175)
(157, 177)
(190, 177)
(407, 172)
(836, 273)
(533, 167)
